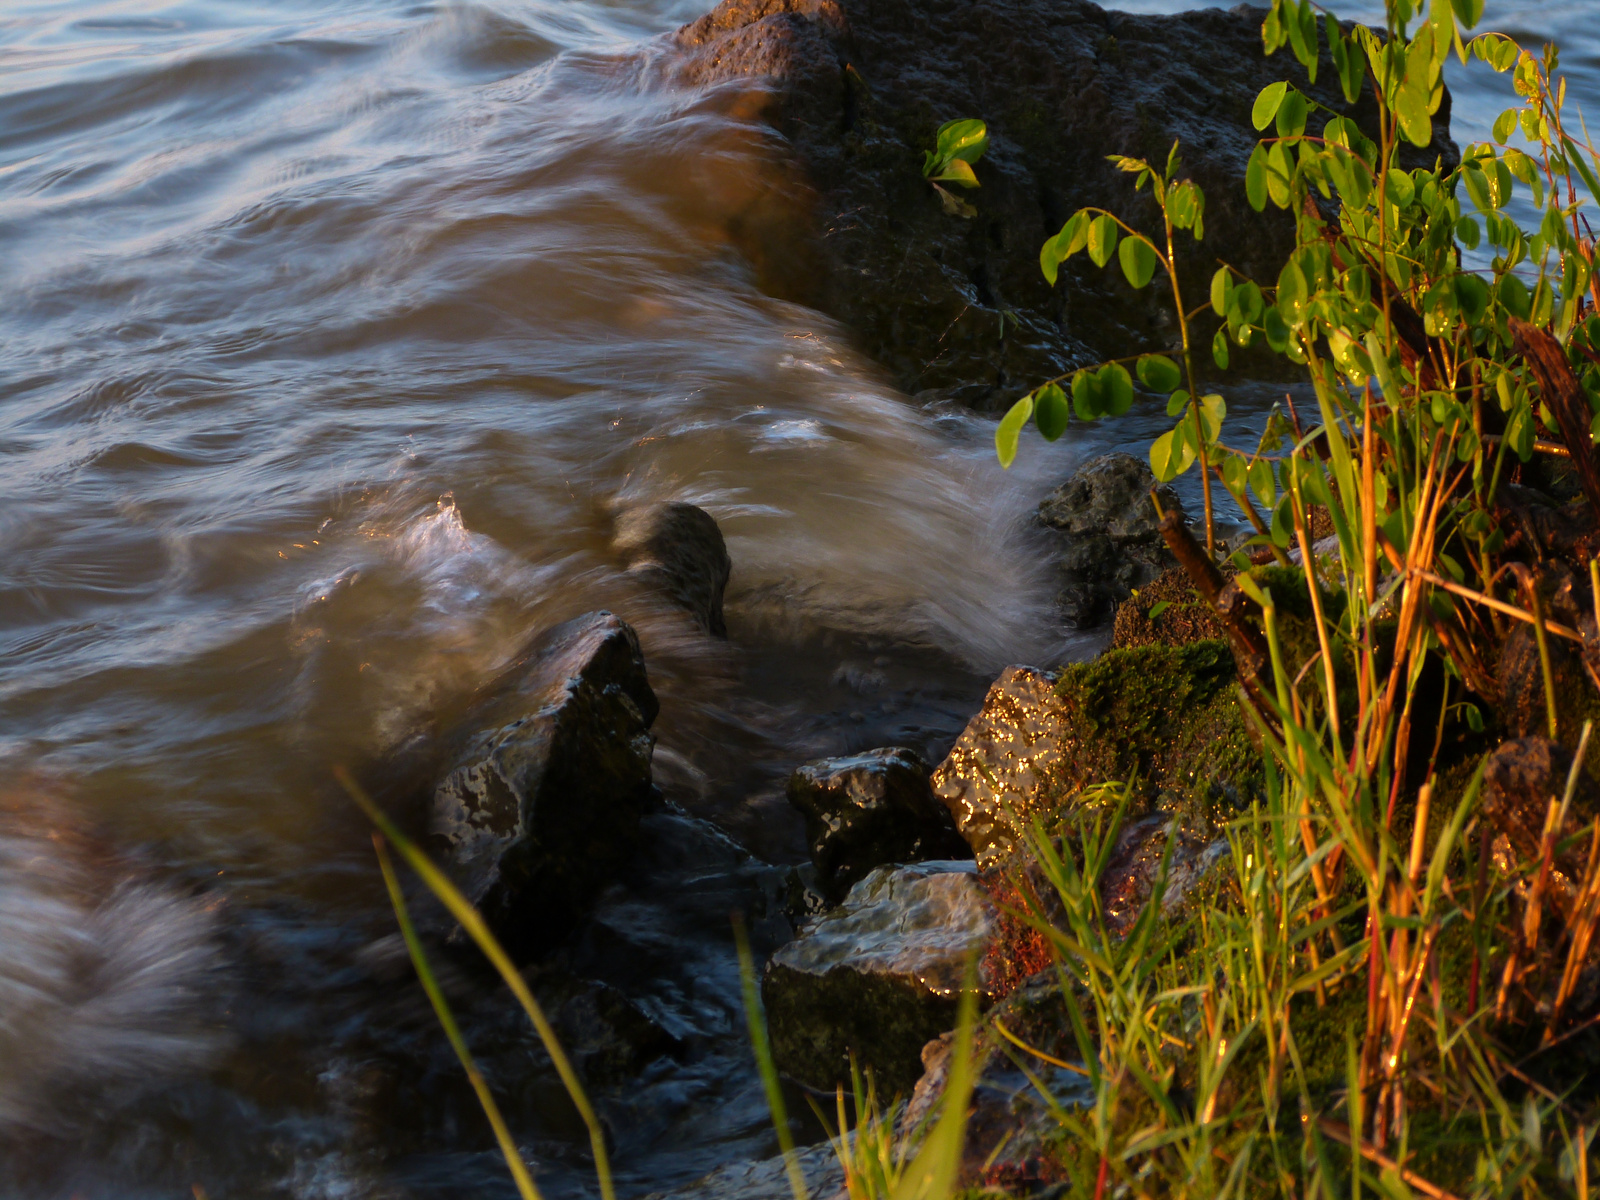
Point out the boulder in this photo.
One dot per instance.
(959, 308)
(1111, 541)
(550, 777)
(870, 809)
(880, 975)
(677, 551)
(1163, 717)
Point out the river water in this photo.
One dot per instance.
(335, 337)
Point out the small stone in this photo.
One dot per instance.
(880, 975)
(1520, 780)
(866, 810)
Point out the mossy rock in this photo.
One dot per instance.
(1165, 718)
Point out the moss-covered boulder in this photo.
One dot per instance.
(1164, 718)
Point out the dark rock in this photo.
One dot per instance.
(1110, 496)
(1129, 879)
(880, 975)
(959, 307)
(1520, 780)
(1111, 542)
(677, 550)
(542, 806)
(870, 809)
(767, 1179)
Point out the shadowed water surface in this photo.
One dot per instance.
(335, 339)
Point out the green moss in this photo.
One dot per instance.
(1167, 719)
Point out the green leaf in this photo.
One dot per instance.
(1513, 294)
(1115, 386)
(1504, 125)
(1051, 411)
(959, 172)
(1575, 156)
(1399, 188)
(1519, 432)
(1219, 348)
(1477, 185)
(1073, 237)
(1279, 172)
(1277, 329)
(1411, 108)
(1472, 294)
(1468, 12)
(963, 140)
(1468, 232)
(1171, 455)
(1159, 373)
(1009, 429)
(1293, 293)
(1260, 478)
(1212, 409)
(1156, 609)
(1138, 260)
(1292, 115)
(1177, 402)
(1221, 285)
(1186, 205)
(1255, 178)
(1266, 106)
(1086, 395)
(1102, 239)
(1301, 20)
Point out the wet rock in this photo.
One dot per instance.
(1012, 758)
(767, 1179)
(678, 551)
(1129, 880)
(1013, 1137)
(1520, 779)
(1111, 541)
(867, 810)
(542, 805)
(957, 307)
(1164, 717)
(880, 975)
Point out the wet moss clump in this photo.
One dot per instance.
(1167, 719)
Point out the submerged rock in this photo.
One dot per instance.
(880, 975)
(867, 810)
(678, 551)
(1111, 542)
(542, 805)
(959, 307)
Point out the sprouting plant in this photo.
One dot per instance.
(957, 146)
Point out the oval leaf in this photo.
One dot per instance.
(1051, 411)
(1086, 395)
(1267, 103)
(1010, 428)
(1159, 373)
(1138, 260)
(1102, 240)
(1116, 389)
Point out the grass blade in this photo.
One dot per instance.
(762, 1045)
(447, 1022)
(461, 909)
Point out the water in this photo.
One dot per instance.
(336, 336)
